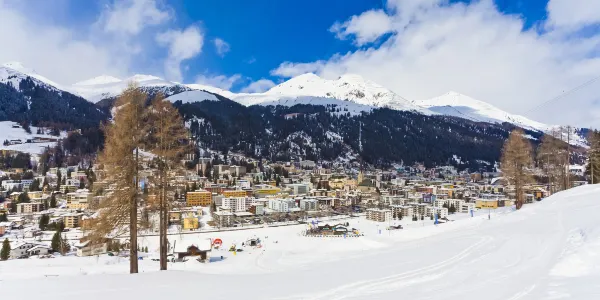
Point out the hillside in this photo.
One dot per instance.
(331, 133)
(28, 97)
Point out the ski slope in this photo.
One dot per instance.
(548, 250)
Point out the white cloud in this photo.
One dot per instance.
(132, 16)
(54, 51)
(251, 60)
(221, 46)
(474, 49)
(573, 13)
(290, 69)
(366, 27)
(182, 45)
(220, 81)
(259, 86)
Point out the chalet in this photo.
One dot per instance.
(39, 250)
(89, 248)
(201, 249)
(20, 249)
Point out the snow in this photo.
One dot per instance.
(103, 87)
(547, 250)
(7, 132)
(102, 79)
(459, 105)
(462, 106)
(348, 88)
(17, 66)
(192, 96)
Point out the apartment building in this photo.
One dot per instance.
(309, 204)
(234, 193)
(72, 220)
(298, 188)
(379, 215)
(28, 208)
(266, 189)
(393, 200)
(198, 198)
(80, 199)
(282, 205)
(405, 211)
(237, 204)
(441, 212)
(222, 218)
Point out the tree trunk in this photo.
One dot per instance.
(133, 253)
(163, 227)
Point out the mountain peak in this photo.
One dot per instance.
(15, 65)
(352, 78)
(143, 77)
(102, 79)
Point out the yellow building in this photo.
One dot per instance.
(72, 220)
(199, 198)
(79, 200)
(234, 193)
(263, 189)
(190, 223)
(488, 203)
(336, 184)
(34, 195)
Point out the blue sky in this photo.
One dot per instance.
(262, 34)
(514, 54)
(269, 32)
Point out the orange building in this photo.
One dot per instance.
(199, 198)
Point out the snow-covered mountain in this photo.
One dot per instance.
(310, 88)
(462, 106)
(350, 93)
(14, 72)
(105, 86)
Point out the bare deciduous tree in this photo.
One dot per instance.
(516, 163)
(118, 212)
(168, 141)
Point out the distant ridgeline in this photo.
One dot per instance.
(311, 132)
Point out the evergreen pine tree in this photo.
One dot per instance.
(44, 220)
(53, 201)
(5, 252)
(56, 244)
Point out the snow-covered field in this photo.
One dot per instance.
(548, 250)
(7, 132)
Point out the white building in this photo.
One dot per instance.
(298, 188)
(379, 215)
(392, 200)
(9, 185)
(237, 204)
(442, 212)
(282, 205)
(309, 204)
(20, 249)
(461, 205)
